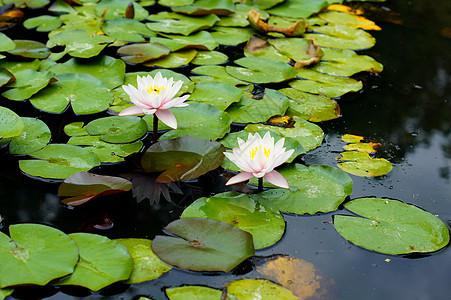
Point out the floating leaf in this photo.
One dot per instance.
(6, 77)
(30, 247)
(83, 187)
(231, 36)
(11, 124)
(146, 265)
(5, 293)
(239, 18)
(209, 58)
(363, 147)
(140, 53)
(313, 189)
(6, 43)
(361, 164)
(297, 49)
(193, 292)
(202, 40)
(118, 129)
(102, 262)
(182, 158)
(250, 110)
(35, 136)
(128, 30)
(313, 108)
(249, 289)
(29, 3)
(215, 74)
(391, 227)
(115, 9)
(85, 93)
(180, 24)
(265, 4)
(205, 7)
(250, 213)
(348, 20)
(43, 23)
(109, 70)
(261, 70)
(203, 245)
(28, 82)
(218, 94)
(175, 2)
(59, 161)
(15, 66)
(174, 59)
(30, 49)
(308, 134)
(298, 8)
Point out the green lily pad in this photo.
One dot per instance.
(218, 94)
(30, 49)
(265, 51)
(205, 7)
(193, 292)
(391, 227)
(182, 158)
(43, 23)
(348, 19)
(312, 189)
(313, 108)
(80, 18)
(128, 30)
(201, 40)
(362, 164)
(109, 70)
(107, 152)
(324, 84)
(11, 124)
(308, 134)
(239, 18)
(6, 77)
(249, 289)
(261, 70)
(175, 2)
(141, 53)
(250, 110)
(115, 9)
(345, 62)
(28, 82)
(215, 74)
(295, 48)
(15, 66)
(209, 58)
(6, 43)
(198, 120)
(250, 213)
(341, 37)
(180, 24)
(231, 36)
(5, 293)
(29, 3)
(35, 136)
(102, 262)
(174, 59)
(118, 130)
(264, 4)
(298, 8)
(203, 245)
(79, 43)
(83, 187)
(85, 93)
(146, 265)
(59, 161)
(30, 247)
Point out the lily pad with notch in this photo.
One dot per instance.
(28, 82)
(362, 164)
(43, 23)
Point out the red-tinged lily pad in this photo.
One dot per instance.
(203, 245)
(83, 187)
(182, 158)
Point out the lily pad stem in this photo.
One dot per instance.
(260, 185)
(155, 128)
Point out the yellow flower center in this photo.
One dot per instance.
(155, 88)
(253, 151)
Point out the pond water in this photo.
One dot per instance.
(407, 108)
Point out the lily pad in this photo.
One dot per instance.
(391, 227)
(231, 36)
(261, 70)
(6, 77)
(239, 18)
(29, 3)
(295, 48)
(15, 66)
(174, 59)
(313, 108)
(180, 24)
(109, 70)
(146, 265)
(201, 40)
(193, 292)
(30, 247)
(118, 129)
(313, 189)
(30, 49)
(141, 53)
(35, 136)
(203, 245)
(43, 23)
(362, 164)
(215, 74)
(5, 292)
(11, 124)
(175, 2)
(308, 134)
(102, 262)
(250, 213)
(218, 94)
(128, 30)
(115, 9)
(6, 43)
(249, 289)
(182, 158)
(349, 19)
(59, 161)
(205, 7)
(298, 8)
(83, 187)
(209, 58)
(85, 93)
(28, 82)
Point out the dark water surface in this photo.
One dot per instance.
(407, 108)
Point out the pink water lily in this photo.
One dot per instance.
(258, 157)
(155, 96)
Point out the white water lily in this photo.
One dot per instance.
(258, 157)
(155, 96)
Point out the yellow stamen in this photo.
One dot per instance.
(254, 150)
(154, 88)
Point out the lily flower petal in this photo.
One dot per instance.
(239, 178)
(277, 179)
(167, 117)
(131, 111)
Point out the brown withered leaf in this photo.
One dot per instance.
(258, 23)
(11, 18)
(314, 52)
(130, 11)
(256, 44)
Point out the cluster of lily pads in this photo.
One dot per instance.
(288, 63)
